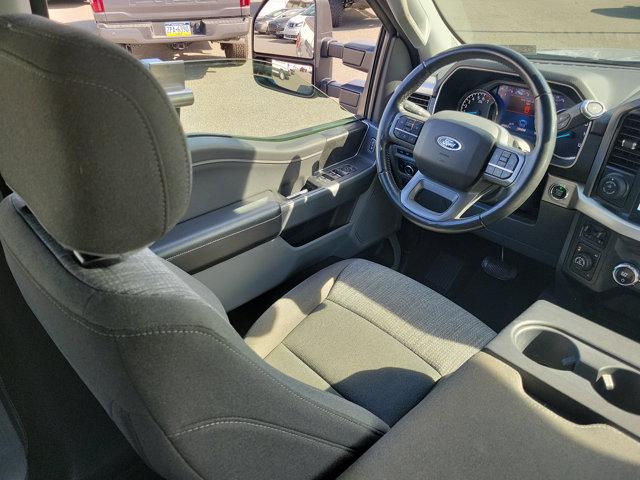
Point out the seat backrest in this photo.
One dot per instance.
(98, 161)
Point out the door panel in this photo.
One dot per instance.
(210, 238)
(263, 210)
(227, 170)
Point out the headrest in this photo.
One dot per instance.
(89, 139)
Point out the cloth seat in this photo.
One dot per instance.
(153, 344)
(368, 334)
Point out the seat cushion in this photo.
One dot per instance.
(368, 334)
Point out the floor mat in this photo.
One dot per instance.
(452, 265)
(443, 272)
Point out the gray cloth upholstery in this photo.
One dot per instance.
(489, 428)
(90, 141)
(98, 162)
(369, 334)
(156, 349)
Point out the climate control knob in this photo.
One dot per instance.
(626, 274)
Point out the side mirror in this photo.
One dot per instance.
(292, 31)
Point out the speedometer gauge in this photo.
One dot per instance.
(481, 103)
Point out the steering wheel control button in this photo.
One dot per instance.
(407, 129)
(405, 136)
(559, 192)
(626, 274)
(502, 165)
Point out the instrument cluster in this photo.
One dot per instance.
(512, 106)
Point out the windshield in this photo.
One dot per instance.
(605, 31)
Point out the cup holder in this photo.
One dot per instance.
(620, 387)
(548, 348)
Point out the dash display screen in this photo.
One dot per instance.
(517, 109)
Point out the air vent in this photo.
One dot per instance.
(420, 99)
(625, 153)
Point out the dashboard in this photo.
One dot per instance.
(512, 106)
(585, 217)
(504, 99)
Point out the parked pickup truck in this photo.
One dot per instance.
(175, 22)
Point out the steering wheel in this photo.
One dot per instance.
(461, 157)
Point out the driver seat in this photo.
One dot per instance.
(322, 375)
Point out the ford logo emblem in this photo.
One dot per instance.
(448, 143)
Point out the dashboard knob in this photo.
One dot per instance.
(626, 274)
(613, 186)
(583, 261)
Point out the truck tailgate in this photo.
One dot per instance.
(146, 10)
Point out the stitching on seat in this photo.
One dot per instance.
(305, 314)
(258, 424)
(313, 370)
(387, 333)
(50, 76)
(72, 317)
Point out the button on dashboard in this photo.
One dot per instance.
(559, 192)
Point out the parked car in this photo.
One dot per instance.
(175, 23)
(293, 26)
(277, 26)
(305, 40)
(261, 25)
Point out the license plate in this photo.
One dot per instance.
(177, 29)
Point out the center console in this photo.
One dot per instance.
(600, 258)
(552, 396)
(576, 367)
